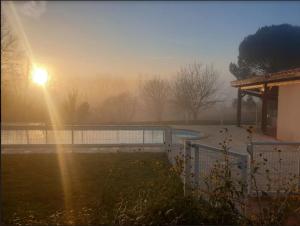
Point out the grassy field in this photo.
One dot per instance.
(95, 184)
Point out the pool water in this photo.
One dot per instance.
(178, 135)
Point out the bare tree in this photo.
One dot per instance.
(83, 111)
(13, 78)
(12, 56)
(194, 88)
(8, 45)
(74, 110)
(70, 105)
(155, 93)
(119, 108)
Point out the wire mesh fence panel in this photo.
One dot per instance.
(36, 136)
(158, 137)
(23, 137)
(14, 137)
(153, 136)
(176, 139)
(115, 135)
(100, 137)
(78, 137)
(204, 162)
(212, 163)
(121, 136)
(277, 167)
(130, 136)
(176, 154)
(5, 138)
(59, 137)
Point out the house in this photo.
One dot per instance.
(280, 96)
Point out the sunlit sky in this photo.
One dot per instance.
(131, 38)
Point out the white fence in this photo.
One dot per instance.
(278, 164)
(198, 161)
(277, 161)
(85, 136)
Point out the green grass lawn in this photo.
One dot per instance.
(32, 186)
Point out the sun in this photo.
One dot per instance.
(40, 76)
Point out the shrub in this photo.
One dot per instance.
(224, 201)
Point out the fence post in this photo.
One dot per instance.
(187, 168)
(72, 135)
(72, 147)
(298, 171)
(197, 168)
(27, 136)
(143, 137)
(118, 136)
(249, 167)
(244, 173)
(168, 139)
(46, 135)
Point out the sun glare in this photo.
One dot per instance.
(40, 76)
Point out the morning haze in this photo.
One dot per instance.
(150, 113)
(89, 44)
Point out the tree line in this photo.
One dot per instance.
(193, 88)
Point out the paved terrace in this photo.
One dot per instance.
(212, 136)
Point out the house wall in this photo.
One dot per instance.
(288, 121)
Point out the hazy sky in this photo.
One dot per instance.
(130, 38)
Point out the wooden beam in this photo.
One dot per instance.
(252, 93)
(282, 76)
(239, 107)
(271, 93)
(252, 87)
(264, 109)
(283, 83)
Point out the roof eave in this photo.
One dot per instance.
(275, 78)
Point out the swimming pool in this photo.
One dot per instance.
(179, 134)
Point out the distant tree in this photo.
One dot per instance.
(249, 103)
(270, 49)
(73, 110)
(195, 88)
(118, 108)
(155, 93)
(14, 79)
(8, 46)
(70, 106)
(83, 111)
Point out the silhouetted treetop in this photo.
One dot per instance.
(271, 49)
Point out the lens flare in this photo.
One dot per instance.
(40, 76)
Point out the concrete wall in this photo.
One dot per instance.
(288, 121)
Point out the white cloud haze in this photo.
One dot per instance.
(34, 9)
